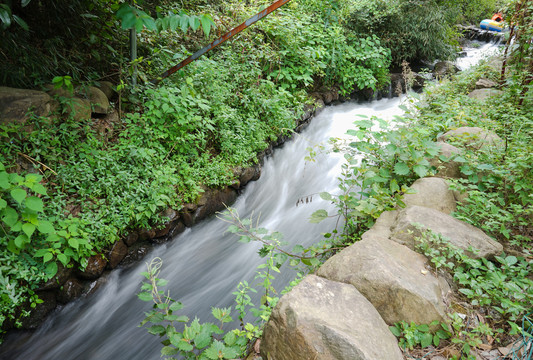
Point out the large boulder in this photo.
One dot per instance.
(473, 137)
(445, 164)
(16, 105)
(432, 192)
(483, 94)
(323, 319)
(414, 220)
(485, 84)
(78, 109)
(392, 277)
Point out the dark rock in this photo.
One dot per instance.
(71, 289)
(177, 229)
(95, 267)
(187, 218)
(107, 88)
(251, 173)
(117, 253)
(131, 238)
(214, 200)
(136, 252)
(146, 234)
(59, 278)
(39, 313)
(16, 105)
(90, 288)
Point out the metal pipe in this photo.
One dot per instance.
(221, 39)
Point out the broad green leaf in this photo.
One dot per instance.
(47, 257)
(21, 240)
(397, 332)
(318, 216)
(28, 229)
(5, 15)
(63, 258)
(326, 196)
(168, 351)
(39, 189)
(157, 330)
(45, 227)
(4, 180)
(73, 242)
(18, 194)
(145, 296)
(51, 269)
(230, 338)
(420, 170)
(394, 186)
(401, 168)
(10, 216)
(24, 3)
(3, 203)
(206, 24)
(41, 253)
(426, 340)
(35, 204)
(175, 306)
(215, 351)
(203, 339)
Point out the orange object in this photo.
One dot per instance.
(498, 17)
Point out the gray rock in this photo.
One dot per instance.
(16, 105)
(99, 101)
(473, 137)
(443, 68)
(78, 109)
(323, 319)
(485, 84)
(432, 192)
(460, 234)
(213, 200)
(392, 277)
(483, 94)
(383, 225)
(447, 167)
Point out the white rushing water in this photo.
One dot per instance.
(204, 264)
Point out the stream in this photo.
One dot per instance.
(205, 264)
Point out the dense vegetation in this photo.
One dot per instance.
(216, 114)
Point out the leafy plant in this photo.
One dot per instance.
(380, 162)
(411, 334)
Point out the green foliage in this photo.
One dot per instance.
(380, 162)
(504, 285)
(407, 28)
(196, 340)
(411, 334)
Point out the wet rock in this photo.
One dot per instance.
(323, 319)
(473, 137)
(131, 238)
(117, 253)
(446, 166)
(319, 106)
(16, 105)
(39, 313)
(444, 68)
(71, 289)
(177, 229)
(91, 287)
(214, 200)
(187, 218)
(59, 278)
(95, 267)
(146, 234)
(136, 252)
(432, 192)
(392, 277)
(459, 233)
(251, 173)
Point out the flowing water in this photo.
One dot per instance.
(204, 264)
